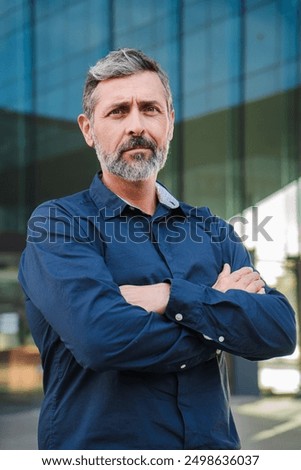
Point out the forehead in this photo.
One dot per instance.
(143, 86)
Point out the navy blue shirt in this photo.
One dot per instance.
(115, 375)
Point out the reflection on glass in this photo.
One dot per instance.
(270, 231)
(20, 369)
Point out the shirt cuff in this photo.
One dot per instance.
(187, 307)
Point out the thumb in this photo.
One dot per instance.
(226, 270)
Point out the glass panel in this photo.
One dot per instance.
(290, 19)
(275, 249)
(66, 39)
(224, 8)
(271, 41)
(205, 163)
(270, 161)
(195, 62)
(211, 67)
(20, 369)
(262, 34)
(196, 14)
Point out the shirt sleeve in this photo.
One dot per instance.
(253, 326)
(67, 281)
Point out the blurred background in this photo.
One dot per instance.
(235, 72)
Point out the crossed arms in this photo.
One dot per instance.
(73, 298)
(155, 297)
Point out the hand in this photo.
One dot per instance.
(153, 298)
(244, 278)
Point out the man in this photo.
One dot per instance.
(132, 296)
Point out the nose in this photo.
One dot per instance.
(135, 122)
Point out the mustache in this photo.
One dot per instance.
(137, 142)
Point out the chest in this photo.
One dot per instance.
(139, 250)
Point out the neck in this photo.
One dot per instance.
(141, 194)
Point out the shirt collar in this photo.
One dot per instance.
(112, 205)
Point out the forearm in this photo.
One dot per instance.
(245, 324)
(152, 298)
(85, 308)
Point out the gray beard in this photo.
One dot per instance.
(141, 167)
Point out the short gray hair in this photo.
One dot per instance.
(121, 63)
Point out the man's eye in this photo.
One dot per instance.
(117, 111)
(151, 109)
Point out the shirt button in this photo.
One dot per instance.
(218, 352)
(179, 317)
(183, 366)
(221, 339)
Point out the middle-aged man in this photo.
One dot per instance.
(132, 296)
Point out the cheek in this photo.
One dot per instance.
(159, 132)
(106, 138)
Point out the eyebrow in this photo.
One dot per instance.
(126, 103)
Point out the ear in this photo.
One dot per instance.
(86, 128)
(171, 124)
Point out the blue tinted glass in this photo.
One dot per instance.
(195, 104)
(7, 96)
(130, 14)
(45, 8)
(262, 38)
(27, 51)
(52, 103)
(69, 41)
(74, 99)
(8, 56)
(76, 28)
(196, 14)
(212, 60)
(224, 8)
(12, 19)
(98, 24)
(262, 84)
(289, 75)
(167, 56)
(219, 97)
(156, 33)
(195, 61)
(290, 41)
(11, 5)
(71, 30)
(51, 36)
(252, 3)
(15, 56)
(126, 16)
(224, 50)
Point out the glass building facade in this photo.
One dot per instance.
(235, 71)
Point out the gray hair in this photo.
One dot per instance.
(121, 63)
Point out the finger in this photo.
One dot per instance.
(255, 286)
(241, 272)
(248, 278)
(226, 271)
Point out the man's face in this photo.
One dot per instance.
(132, 126)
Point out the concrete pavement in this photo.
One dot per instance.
(263, 423)
(268, 422)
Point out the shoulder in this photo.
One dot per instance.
(73, 204)
(203, 215)
(201, 212)
(218, 228)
